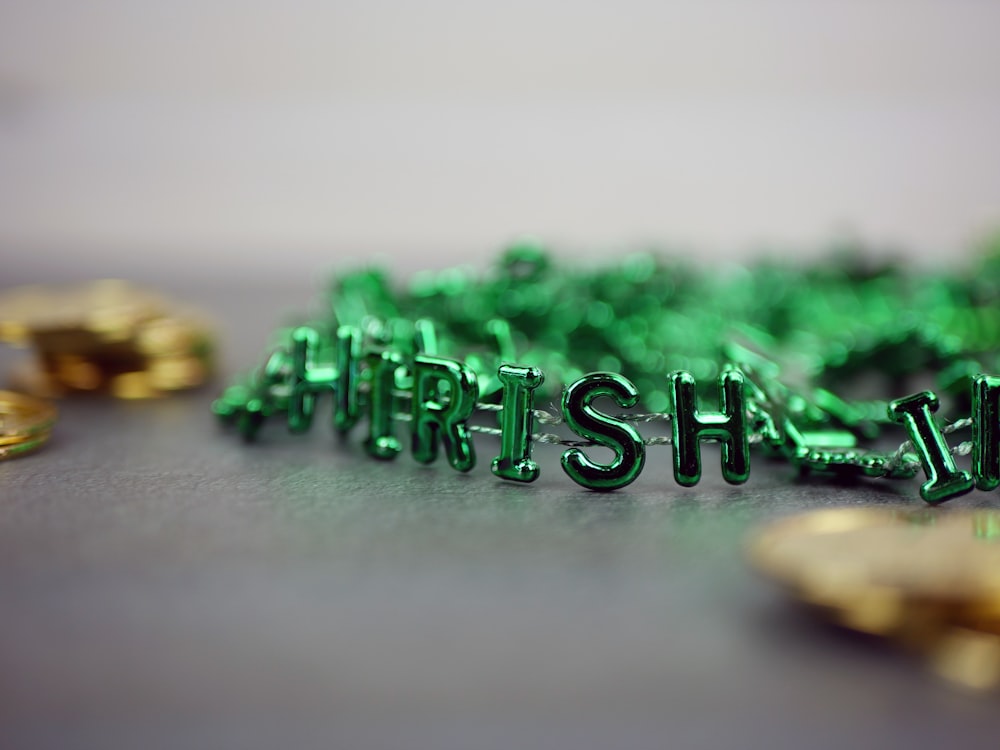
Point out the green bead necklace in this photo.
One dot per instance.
(777, 341)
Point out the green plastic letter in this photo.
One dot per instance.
(986, 431)
(308, 378)
(382, 441)
(619, 436)
(514, 461)
(345, 406)
(690, 427)
(944, 480)
(433, 421)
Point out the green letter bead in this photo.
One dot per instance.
(345, 408)
(986, 431)
(690, 427)
(425, 340)
(588, 423)
(263, 395)
(514, 461)
(944, 480)
(308, 378)
(251, 417)
(382, 442)
(432, 420)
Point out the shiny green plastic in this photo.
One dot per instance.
(347, 402)
(944, 480)
(802, 334)
(382, 441)
(690, 427)
(486, 365)
(830, 439)
(986, 431)
(516, 422)
(266, 394)
(252, 416)
(425, 337)
(823, 458)
(309, 378)
(616, 434)
(433, 421)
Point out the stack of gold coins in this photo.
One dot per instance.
(25, 423)
(104, 336)
(929, 580)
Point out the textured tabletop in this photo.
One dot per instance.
(163, 584)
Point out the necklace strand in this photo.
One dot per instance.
(795, 335)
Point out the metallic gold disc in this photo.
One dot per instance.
(880, 570)
(109, 309)
(172, 336)
(104, 337)
(176, 373)
(967, 657)
(133, 385)
(24, 417)
(25, 446)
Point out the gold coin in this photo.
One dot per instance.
(133, 385)
(77, 373)
(176, 373)
(25, 423)
(967, 658)
(109, 309)
(171, 337)
(8, 440)
(105, 336)
(24, 446)
(880, 570)
(24, 417)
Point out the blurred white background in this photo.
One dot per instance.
(207, 137)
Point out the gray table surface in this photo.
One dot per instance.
(165, 585)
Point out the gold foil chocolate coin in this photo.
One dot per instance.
(929, 579)
(836, 556)
(106, 336)
(25, 423)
